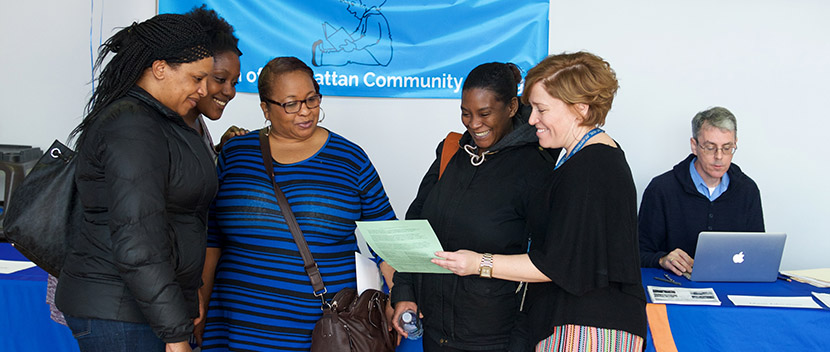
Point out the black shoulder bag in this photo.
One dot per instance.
(45, 210)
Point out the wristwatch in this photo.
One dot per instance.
(486, 268)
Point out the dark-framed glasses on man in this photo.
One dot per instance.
(711, 149)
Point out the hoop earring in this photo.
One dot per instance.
(322, 115)
(267, 127)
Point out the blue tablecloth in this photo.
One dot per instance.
(24, 315)
(731, 328)
(25, 324)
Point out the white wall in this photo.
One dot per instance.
(764, 60)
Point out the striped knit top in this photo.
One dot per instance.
(262, 298)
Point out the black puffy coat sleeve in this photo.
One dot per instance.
(135, 155)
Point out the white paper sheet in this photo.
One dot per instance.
(686, 296)
(12, 266)
(368, 274)
(774, 301)
(823, 297)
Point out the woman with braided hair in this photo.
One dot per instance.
(145, 179)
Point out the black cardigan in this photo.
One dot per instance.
(584, 239)
(146, 181)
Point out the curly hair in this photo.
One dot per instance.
(575, 78)
(219, 31)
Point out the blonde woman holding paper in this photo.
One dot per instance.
(583, 264)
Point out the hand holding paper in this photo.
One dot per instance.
(462, 262)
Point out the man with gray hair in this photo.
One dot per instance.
(704, 192)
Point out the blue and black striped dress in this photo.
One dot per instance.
(262, 299)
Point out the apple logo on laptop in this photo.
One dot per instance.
(738, 258)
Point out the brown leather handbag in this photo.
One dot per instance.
(350, 322)
(354, 323)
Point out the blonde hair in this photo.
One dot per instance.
(575, 78)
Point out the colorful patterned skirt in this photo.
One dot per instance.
(587, 338)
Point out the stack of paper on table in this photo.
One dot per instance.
(815, 277)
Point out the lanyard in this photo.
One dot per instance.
(579, 145)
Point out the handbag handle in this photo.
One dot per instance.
(309, 264)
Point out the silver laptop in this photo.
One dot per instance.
(738, 256)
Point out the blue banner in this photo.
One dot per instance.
(383, 48)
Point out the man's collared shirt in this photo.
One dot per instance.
(703, 188)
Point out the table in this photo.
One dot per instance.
(24, 315)
(731, 328)
(25, 324)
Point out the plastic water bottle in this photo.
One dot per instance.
(410, 323)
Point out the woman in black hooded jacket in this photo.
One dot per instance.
(480, 202)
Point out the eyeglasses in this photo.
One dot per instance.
(711, 149)
(293, 106)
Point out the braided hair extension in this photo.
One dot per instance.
(173, 38)
(500, 78)
(218, 30)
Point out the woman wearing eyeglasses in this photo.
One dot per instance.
(262, 298)
(704, 192)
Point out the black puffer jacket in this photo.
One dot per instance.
(146, 180)
(480, 208)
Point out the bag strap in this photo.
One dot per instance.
(309, 264)
(449, 149)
